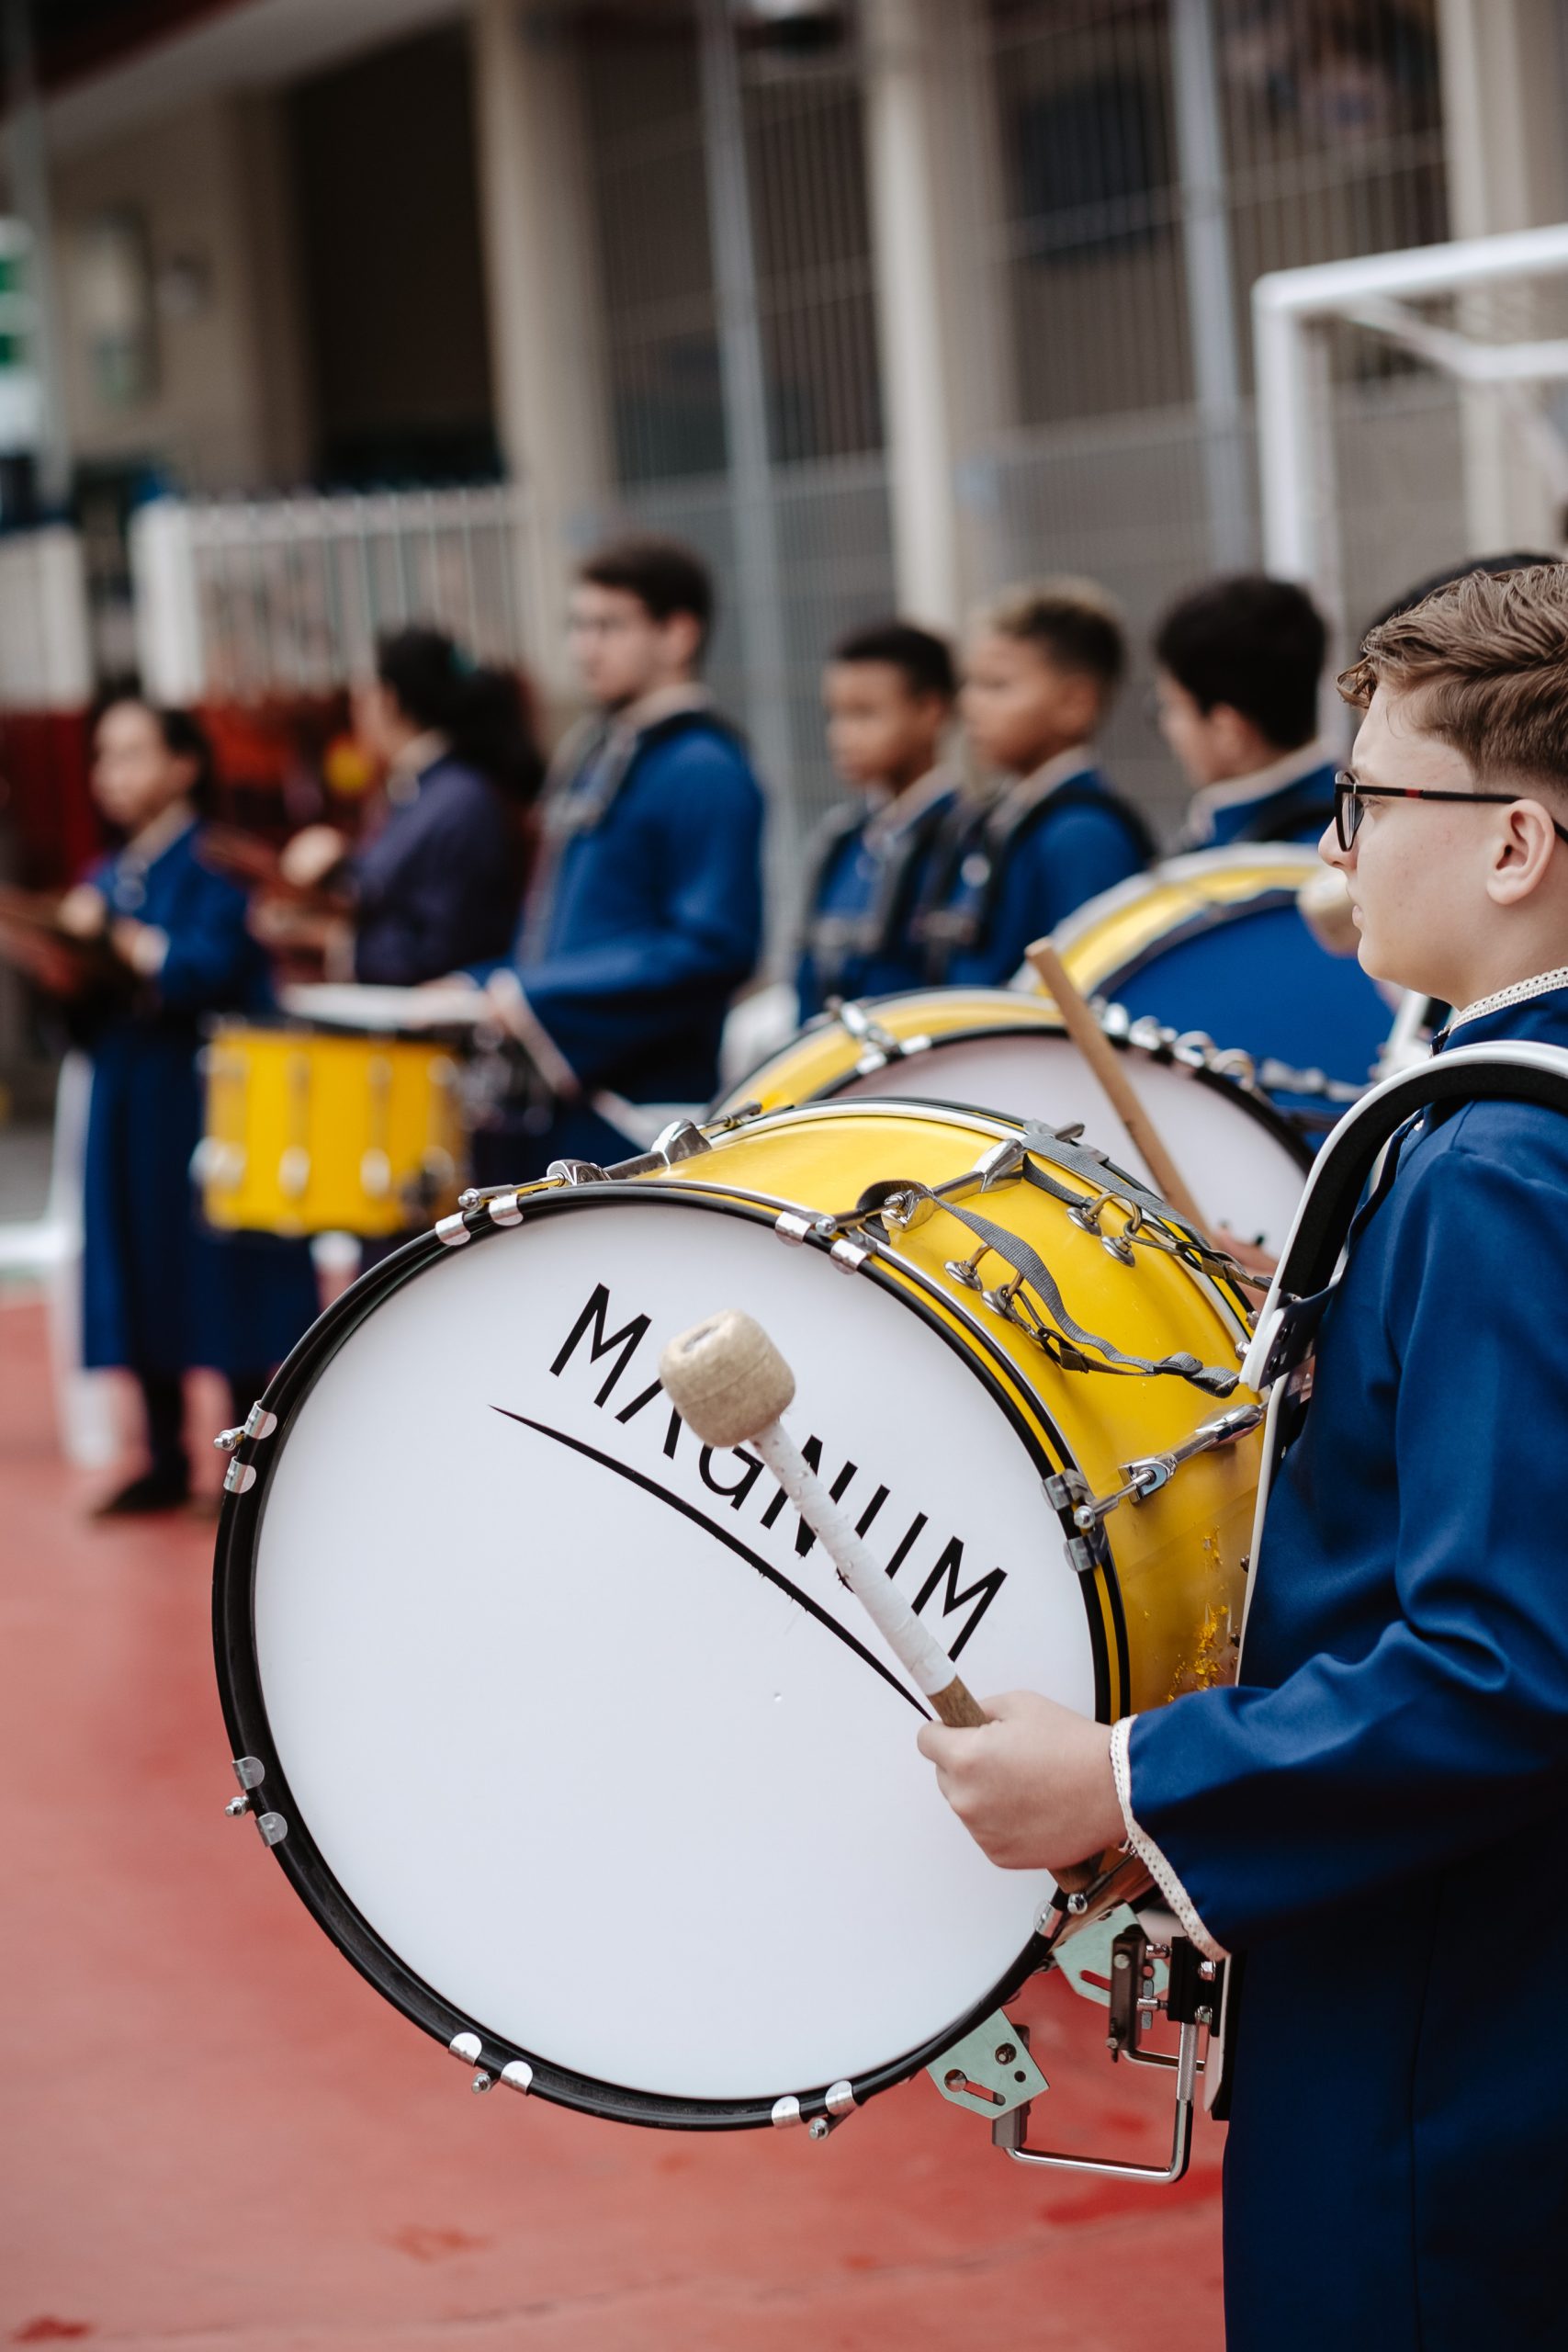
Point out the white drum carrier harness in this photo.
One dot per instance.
(1308, 1267)
(1313, 1255)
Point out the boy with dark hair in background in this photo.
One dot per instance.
(1239, 670)
(889, 692)
(1041, 671)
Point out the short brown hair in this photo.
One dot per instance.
(1072, 622)
(663, 574)
(1485, 660)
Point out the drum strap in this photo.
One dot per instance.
(1328, 1209)
(1072, 1337)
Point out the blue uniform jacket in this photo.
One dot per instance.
(1279, 807)
(868, 878)
(1007, 873)
(1376, 1819)
(649, 913)
(160, 1293)
(438, 887)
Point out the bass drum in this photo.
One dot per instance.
(562, 1724)
(1215, 944)
(994, 1048)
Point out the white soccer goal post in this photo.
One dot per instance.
(1411, 410)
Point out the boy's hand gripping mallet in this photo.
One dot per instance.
(730, 1384)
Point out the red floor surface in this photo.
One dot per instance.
(218, 2139)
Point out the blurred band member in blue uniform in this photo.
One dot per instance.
(889, 692)
(645, 914)
(436, 881)
(1041, 669)
(160, 1293)
(1374, 1818)
(1239, 666)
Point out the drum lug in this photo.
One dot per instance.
(579, 1171)
(682, 1140)
(867, 1030)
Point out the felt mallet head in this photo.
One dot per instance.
(726, 1378)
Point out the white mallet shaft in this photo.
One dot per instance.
(731, 1386)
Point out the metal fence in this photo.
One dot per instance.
(241, 599)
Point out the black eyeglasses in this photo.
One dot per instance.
(1350, 799)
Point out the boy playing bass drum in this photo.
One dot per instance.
(1374, 1820)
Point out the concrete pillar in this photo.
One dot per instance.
(933, 167)
(1210, 281)
(536, 220)
(1502, 85)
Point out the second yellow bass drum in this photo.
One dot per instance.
(996, 1049)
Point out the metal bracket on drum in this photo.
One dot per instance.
(990, 2071)
(882, 1046)
(1068, 1491)
(1189, 2001)
(250, 1772)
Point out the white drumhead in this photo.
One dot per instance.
(605, 1787)
(1240, 1174)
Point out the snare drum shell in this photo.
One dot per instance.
(319, 1132)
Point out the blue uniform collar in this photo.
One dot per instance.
(891, 820)
(1224, 812)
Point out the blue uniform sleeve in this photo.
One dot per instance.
(213, 964)
(701, 834)
(419, 913)
(1061, 863)
(1451, 1730)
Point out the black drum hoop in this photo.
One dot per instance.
(245, 1714)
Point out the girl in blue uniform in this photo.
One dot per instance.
(1374, 1820)
(159, 1295)
(888, 693)
(436, 881)
(1041, 671)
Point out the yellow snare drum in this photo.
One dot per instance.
(313, 1133)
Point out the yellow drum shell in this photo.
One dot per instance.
(824, 1055)
(1166, 1600)
(1114, 930)
(319, 1132)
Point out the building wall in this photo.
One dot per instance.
(382, 154)
(215, 401)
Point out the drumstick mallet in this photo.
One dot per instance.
(731, 1386)
(1106, 1063)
